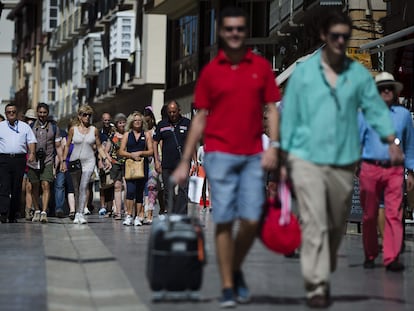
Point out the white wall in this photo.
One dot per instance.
(6, 61)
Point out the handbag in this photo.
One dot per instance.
(105, 179)
(280, 230)
(134, 169)
(75, 166)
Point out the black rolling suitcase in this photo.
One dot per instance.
(176, 256)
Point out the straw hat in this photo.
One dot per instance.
(30, 114)
(385, 78)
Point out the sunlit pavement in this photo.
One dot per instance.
(101, 266)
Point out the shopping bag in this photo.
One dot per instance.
(195, 188)
(280, 230)
(134, 169)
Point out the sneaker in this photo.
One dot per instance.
(36, 216)
(43, 217)
(76, 220)
(227, 300)
(28, 214)
(60, 213)
(86, 211)
(82, 219)
(128, 220)
(102, 211)
(240, 288)
(137, 221)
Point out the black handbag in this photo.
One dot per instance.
(75, 166)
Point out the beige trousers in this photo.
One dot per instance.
(324, 197)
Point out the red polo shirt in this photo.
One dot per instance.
(234, 95)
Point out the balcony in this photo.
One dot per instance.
(172, 8)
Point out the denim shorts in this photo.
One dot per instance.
(237, 186)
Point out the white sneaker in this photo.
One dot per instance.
(82, 219)
(137, 221)
(102, 211)
(128, 220)
(86, 211)
(76, 220)
(36, 216)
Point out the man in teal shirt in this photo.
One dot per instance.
(319, 131)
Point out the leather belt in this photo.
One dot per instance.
(13, 155)
(382, 163)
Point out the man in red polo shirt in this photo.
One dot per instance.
(230, 95)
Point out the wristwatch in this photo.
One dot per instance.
(274, 144)
(396, 141)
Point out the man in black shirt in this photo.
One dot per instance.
(172, 132)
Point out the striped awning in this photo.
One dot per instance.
(330, 2)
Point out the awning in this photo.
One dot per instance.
(331, 2)
(280, 79)
(379, 44)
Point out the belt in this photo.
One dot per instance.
(382, 163)
(13, 155)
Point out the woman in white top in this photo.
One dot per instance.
(84, 137)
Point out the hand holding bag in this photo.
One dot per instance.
(280, 231)
(105, 179)
(134, 169)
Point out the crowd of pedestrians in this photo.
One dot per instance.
(332, 114)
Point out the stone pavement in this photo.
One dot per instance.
(101, 266)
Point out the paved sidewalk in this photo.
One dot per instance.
(101, 266)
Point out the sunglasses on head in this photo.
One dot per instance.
(232, 28)
(336, 35)
(384, 88)
(86, 115)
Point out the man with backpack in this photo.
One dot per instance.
(41, 172)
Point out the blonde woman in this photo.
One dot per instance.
(84, 137)
(136, 143)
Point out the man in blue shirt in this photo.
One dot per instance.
(319, 131)
(379, 177)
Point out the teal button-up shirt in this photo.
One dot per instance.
(320, 123)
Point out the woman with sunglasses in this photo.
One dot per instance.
(135, 144)
(84, 137)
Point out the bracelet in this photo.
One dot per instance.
(274, 144)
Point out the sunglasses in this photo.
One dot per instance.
(106, 120)
(11, 111)
(86, 115)
(334, 36)
(386, 88)
(237, 28)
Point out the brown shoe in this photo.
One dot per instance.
(318, 301)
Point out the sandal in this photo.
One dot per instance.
(72, 215)
(118, 217)
(108, 215)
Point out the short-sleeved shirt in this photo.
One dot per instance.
(170, 150)
(47, 135)
(14, 139)
(104, 134)
(234, 95)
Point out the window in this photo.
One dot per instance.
(50, 15)
(122, 35)
(49, 87)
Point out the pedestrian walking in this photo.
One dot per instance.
(172, 132)
(41, 173)
(319, 131)
(84, 137)
(230, 95)
(118, 162)
(136, 144)
(16, 140)
(379, 178)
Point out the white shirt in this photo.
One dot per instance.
(14, 139)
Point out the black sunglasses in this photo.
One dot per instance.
(86, 115)
(336, 35)
(386, 88)
(237, 28)
(11, 111)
